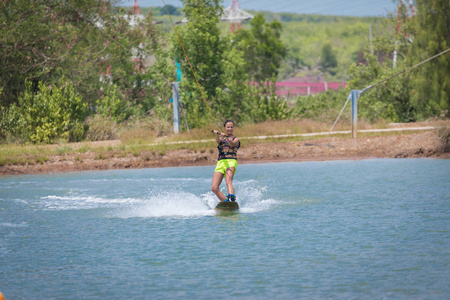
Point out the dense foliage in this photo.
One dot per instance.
(53, 112)
(204, 47)
(74, 70)
(44, 40)
(87, 42)
(328, 59)
(411, 96)
(222, 67)
(262, 47)
(431, 93)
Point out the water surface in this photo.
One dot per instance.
(337, 229)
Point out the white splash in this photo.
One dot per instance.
(169, 204)
(251, 198)
(162, 203)
(69, 202)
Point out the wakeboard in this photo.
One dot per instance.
(227, 206)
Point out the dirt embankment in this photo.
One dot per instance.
(425, 144)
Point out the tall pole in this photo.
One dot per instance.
(355, 94)
(176, 109)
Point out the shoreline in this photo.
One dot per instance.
(412, 145)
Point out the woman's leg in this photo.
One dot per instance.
(229, 174)
(216, 181)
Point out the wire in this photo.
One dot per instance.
(384, 80)
(342, 110)
(403, 71)
(190, 65)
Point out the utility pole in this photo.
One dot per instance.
(234, 15)
(176, 110)
(176, 101)
(355, 95)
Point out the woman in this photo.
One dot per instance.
(226, 166)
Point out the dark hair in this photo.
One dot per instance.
(227, 121)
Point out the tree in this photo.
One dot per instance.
(42, 41)
(139, 65)
(430, 95)
(221, 72)
(173, 11)
(328, 59)
(390, 100)
(93, 47)
(233, 94)
(204, 47)
(262, 46)
(50, 113)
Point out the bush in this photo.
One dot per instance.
(111, 105)
(52, 112)
(389, 100)
(324, 107)
(146, 129)
(101, 128)
(12, 124)
(262, 104)
(443, 134)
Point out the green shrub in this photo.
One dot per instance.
(49, 113)
(111, 105)
(262, 104)
(324, 107)
(389, 100)
(63, 150)
(12, 124)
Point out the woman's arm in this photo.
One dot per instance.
(234, 142)
(217, 134)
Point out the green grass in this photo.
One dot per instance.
(100, 156)
(147, 149)
(84, 149)
(63, 150)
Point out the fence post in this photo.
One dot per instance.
(176, 110)
(355, 94)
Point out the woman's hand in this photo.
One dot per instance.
(217, 132)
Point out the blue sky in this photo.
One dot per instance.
(360, 8)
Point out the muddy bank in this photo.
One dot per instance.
(425, 144)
